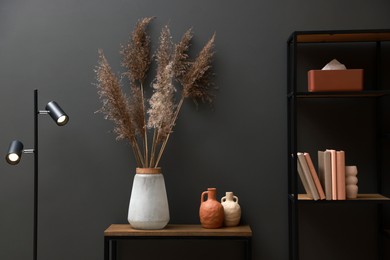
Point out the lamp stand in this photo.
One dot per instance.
(35, 238)
(15, 152)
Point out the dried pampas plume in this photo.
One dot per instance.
(131, 116)
(193, 76)
(196, 81)
(136, 54)
(136, 58)
(181, 57)
(163, 53)
(162, 101)
(116, 106)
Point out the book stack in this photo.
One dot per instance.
(329, 183)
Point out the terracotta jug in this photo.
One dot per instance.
(211, 211)
(232, 209)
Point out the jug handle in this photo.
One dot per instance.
(223, 199)
(234, 197)
(202, 196)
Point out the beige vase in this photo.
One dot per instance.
(211, 212)
(232, 209)
(351, 182)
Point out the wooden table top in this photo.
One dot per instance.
(177, 230)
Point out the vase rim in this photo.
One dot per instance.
(148, 170)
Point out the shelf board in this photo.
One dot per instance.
(375, 198)
(333, 94)
(178, 230)
(340, 36)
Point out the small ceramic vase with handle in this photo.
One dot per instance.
(232, 209)
(211, 212)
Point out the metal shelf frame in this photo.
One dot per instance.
(293, 97)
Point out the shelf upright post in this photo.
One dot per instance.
(289, 160)
(292, 147)
(378, 111)
(294, 150)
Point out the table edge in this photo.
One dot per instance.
(178, 230)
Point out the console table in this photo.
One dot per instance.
(124, 231)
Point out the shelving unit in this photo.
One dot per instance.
(374, 94)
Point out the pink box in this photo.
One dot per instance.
(335, 80)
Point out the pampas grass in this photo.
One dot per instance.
(134, 115)
(116, 106)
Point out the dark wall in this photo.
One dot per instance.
(85, 176)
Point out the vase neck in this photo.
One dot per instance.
(212, 193)
(148, 170)
(229, 196)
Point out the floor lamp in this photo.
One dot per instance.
(16, 150)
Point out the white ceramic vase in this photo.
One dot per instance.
(148, 207)
(232, 209)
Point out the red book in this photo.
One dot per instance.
(334, 173)
(340, 158)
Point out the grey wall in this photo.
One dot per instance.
(86, 176)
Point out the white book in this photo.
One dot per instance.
(325, 172)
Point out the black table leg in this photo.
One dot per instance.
(106, 248)
(113, 249)
(249, 248)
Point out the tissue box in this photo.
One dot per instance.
(335, 80)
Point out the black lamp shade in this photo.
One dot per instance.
(15, 151)
(56, 112)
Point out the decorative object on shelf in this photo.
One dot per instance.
(351, 181)
(211, 212)
(148, 207)
(133, 116)
(16, 150)
(334, 65)
(232, 209)
(335, 77)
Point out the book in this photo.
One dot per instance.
(303, 180)
(325, 172)
(309, 178)
(340, 160)
(334, 173)
(314, 175)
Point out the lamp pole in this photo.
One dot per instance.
(36, 113)
(16, 150)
